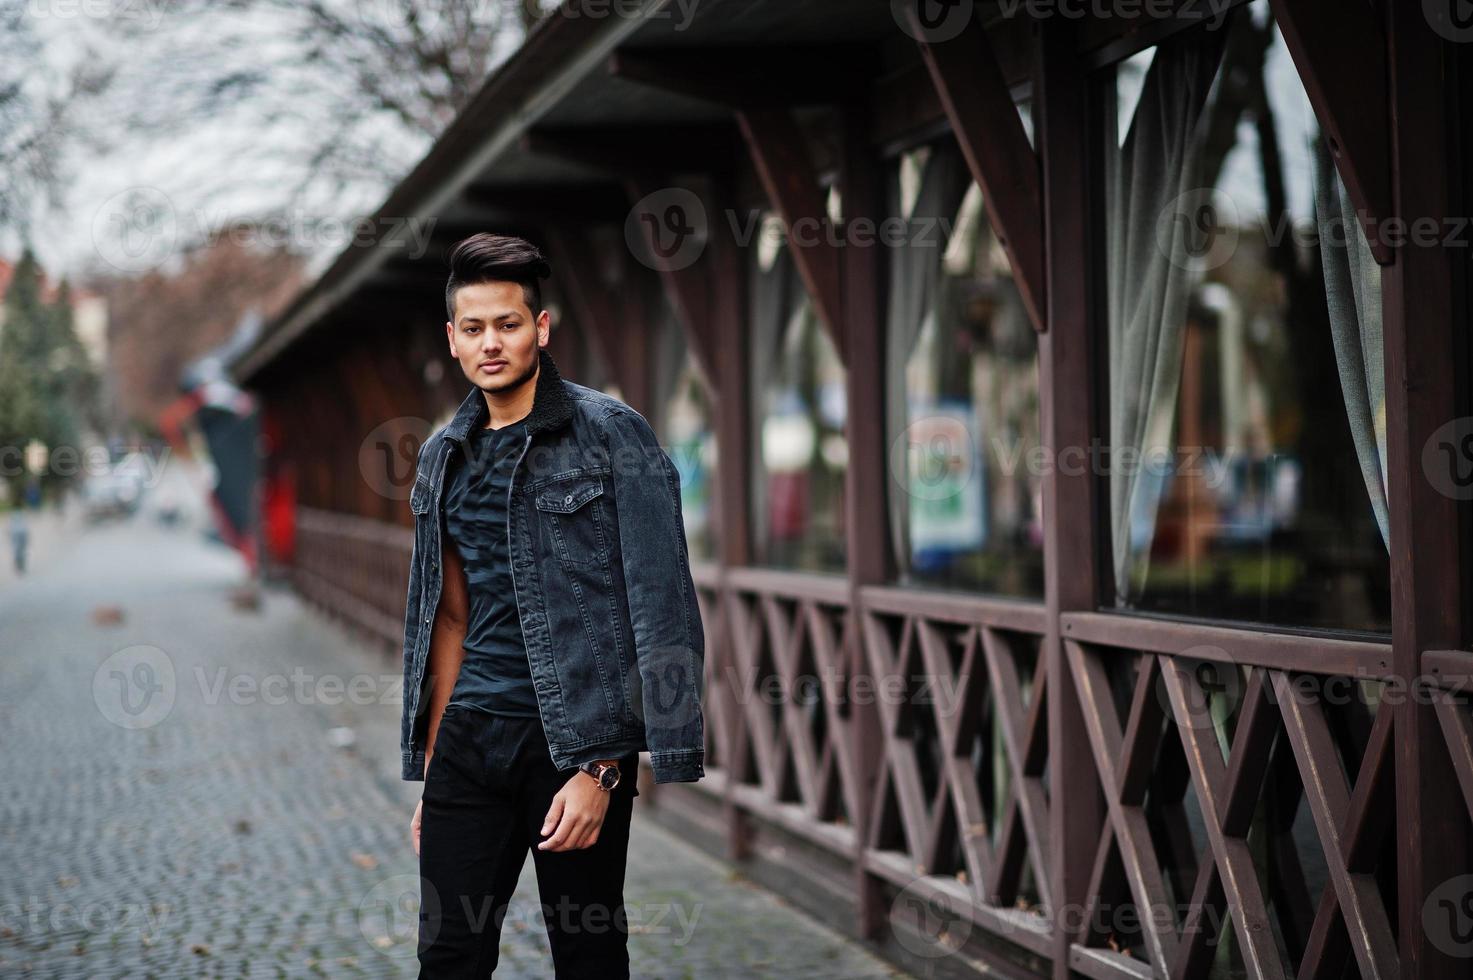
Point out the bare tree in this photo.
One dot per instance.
(319, 100)
(39, 101)
(162, 320)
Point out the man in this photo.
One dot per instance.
(551, 634)
(20, 537)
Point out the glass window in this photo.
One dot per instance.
(961, 389)
(799, 404)
(1246, 408)
(682, 420)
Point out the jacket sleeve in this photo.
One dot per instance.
(412, 758)
(668, 637)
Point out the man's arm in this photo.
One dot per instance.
(669, 641)
(447, 641)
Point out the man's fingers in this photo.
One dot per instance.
(554, 814)
(571, 829)
(558, 822)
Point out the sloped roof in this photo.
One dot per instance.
(558, 77)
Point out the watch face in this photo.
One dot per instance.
(610, 777)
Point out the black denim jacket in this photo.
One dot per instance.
(602, 579)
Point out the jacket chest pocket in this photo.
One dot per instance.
(575, 521)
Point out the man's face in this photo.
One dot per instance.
(494, 336)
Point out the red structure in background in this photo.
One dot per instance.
(278, 495)
(185, 410)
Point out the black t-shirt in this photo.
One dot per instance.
(495, 675)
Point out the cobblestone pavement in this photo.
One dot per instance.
(50, 527)
(196, 790)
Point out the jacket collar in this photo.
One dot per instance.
(551, 406)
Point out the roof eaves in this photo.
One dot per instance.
(560, 50)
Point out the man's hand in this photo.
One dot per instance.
(576, 814)
(419, 808)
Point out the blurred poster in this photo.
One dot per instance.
(947, 480)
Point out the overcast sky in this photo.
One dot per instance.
(243, 160)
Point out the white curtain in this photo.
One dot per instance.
(1150, 280)
(1353, 292)
(776, 294)
(914, 296)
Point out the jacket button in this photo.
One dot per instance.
(568, 499)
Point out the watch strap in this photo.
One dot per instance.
(596, 770)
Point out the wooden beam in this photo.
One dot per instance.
(788, 176)
(871, 560)
(576, 201)
(591, 299)
(687, 286)
(1068, 399)
(1340, 51)
(753, 75)
(1425, 365)
(974, 92)
(636, 150)
(744, 78)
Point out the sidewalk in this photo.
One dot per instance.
(52, 532)
(200, 791)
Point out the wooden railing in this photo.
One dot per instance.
(355, 569)
(1246, 775)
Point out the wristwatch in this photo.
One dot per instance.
(606, 773)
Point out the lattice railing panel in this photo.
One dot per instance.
(962, 795)
(1247, 819)
(785, 675)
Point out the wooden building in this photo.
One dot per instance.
(1076, 491)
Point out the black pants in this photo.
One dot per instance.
(488, 789)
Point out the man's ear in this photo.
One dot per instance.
(450, 335)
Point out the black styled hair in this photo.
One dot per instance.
(485, 257)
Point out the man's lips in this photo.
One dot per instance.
(493, 365)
